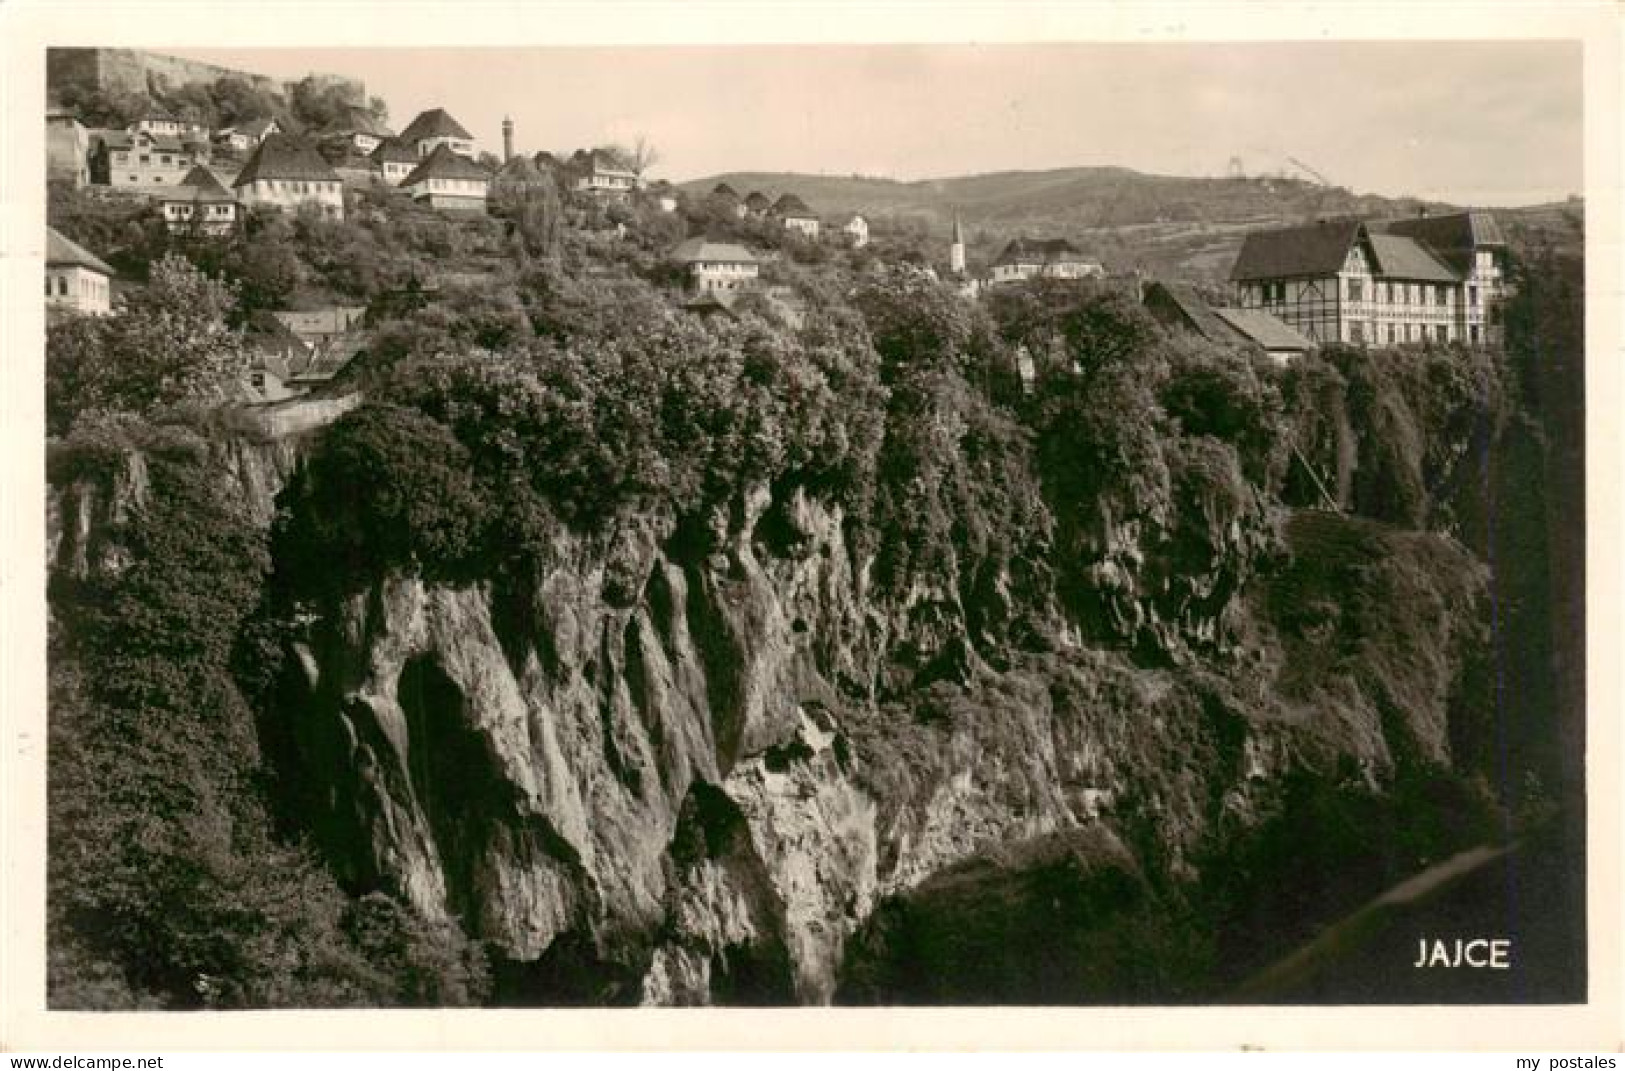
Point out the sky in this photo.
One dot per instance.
(1474, 123)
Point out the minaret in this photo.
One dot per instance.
(507, 139)
(956, 252)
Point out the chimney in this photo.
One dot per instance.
(507, 139)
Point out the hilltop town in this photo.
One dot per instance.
(483, 573)
(150, 156)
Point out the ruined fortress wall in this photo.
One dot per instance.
(131, 69)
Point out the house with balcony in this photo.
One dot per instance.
(598, 174)
(200, 206)
(1382, 283)
(717, 266)
(286, 173)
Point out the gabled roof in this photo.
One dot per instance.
(1405, 258)
(445, 164)
(758, 201)
(60, 250)
(434, 123)
(124, 139)
(1041, 251)
(200, 184)
(255, 128)
(1198, 315)
(722, 189)
(157, 113)
(361, 121)
(791, 205)
(1453, 238)
(602, 162)
(395, 151)
(520, 171)
(703, 249)
(1309, 250)
(1260, 327)
(282, 156)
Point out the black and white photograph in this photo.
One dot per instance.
(1065, 524)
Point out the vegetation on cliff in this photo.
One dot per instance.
(1141, 527)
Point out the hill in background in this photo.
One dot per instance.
(1166, 225)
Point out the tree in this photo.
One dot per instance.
(169, 344)
(641, 156)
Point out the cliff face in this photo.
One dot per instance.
(670, 770)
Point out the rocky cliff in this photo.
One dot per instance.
(668, 767)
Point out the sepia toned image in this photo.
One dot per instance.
(1059, 524)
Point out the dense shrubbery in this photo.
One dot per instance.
(167, 885)
(170, 343)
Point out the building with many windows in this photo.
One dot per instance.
(286, 173)
(601, 175)
(448, 180)
(76, 280)
(717, 266)
(139, 160)
(200, 206)
(1382, 283)
(1039, 258)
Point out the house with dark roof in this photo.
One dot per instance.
(1471, 245)
(717, 266)
(794, 214)
(395, 160)
(76, 280)
(1179, 306)
(359, 132)
(518, 176)
(600, 175)
(758, 205)
(245, 135)
(286, 173)
(1042, 258)
(446, 179)
(139, 160)
(1381, 283)
(200, 206)
(161, 122)
(434, 128)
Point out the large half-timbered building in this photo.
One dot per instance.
(1379, 283)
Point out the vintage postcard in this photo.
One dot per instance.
(589, 523)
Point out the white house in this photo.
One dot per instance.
(1032, 258)
(717, 266)
(395, 160)
(286, 173)
(857, 231)
(434, 128)
(140, 160)
(793, 212)
(200, 205)
(76, 280)
(449, 180)
(600, 175)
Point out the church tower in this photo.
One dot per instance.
(507, 139)
(956, 252)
